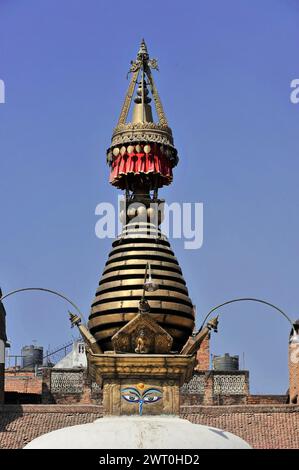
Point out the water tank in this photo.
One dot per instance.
(32, 356)
(226, 362)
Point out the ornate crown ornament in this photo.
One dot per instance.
(142, 132)
(142, 129)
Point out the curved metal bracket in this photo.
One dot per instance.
(246, 299)
(58, 294)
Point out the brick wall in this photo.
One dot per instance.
(20, 424)
(203, 355)
(262, 426)
(216, 388)
(22, 382)
(223, 400)
(56, 388)
(269, 427)
(194, 400)
(25, 387)
(266, 399)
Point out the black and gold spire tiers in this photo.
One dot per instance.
(141, 158)
(120, 288)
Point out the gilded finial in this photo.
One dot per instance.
(142, 53)
(141, 131)
(74, 319)
(143, 64)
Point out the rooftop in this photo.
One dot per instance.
(268, 427)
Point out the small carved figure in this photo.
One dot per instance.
(142, 343)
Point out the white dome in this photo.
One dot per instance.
(134, 432)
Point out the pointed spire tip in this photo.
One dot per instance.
(143, 49)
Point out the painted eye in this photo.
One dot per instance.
(131, 398)
(151, 398)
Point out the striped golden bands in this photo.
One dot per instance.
(120, 288)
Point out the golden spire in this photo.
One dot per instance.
(141, 157)
(141, 134)
(142, 65)
(142, 128)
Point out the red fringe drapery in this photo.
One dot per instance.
(140, 163)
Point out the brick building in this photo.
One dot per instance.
(22, 387)
(61, 397)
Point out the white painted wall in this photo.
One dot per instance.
(76, 358)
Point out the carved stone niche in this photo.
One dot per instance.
(142, 335)
(140, 383)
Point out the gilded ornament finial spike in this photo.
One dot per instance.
(132, 136)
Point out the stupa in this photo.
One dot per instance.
(140, 339)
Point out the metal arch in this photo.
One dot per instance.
(250, 299)
(43, 289)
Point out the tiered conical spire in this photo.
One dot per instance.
(141, 157)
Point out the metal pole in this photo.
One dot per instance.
(245, 299)
(142, 96)
(145, 276)
(58, 294)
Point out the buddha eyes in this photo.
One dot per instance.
(146, 399)
(132, 395)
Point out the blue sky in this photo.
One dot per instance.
(225, 73)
